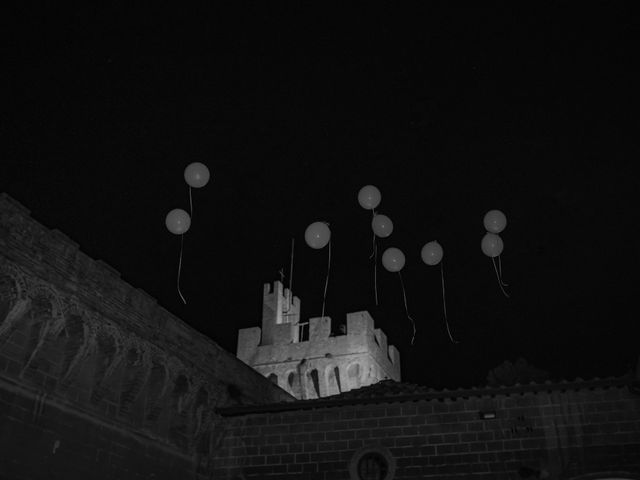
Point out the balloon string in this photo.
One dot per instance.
(375, 272)
(293, 243)
(373, 247)
(498, 277)
(444, 304)
(374, 255)
(404, 295)
(180, 268)
(500, 269)
(326, 283)
(190, 202)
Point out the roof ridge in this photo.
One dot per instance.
(360, 396)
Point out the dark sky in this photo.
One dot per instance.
(449, 112)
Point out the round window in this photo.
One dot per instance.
(372, 466)
(375, 463)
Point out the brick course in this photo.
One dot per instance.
(567, 433)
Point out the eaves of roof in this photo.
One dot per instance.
(395, 392)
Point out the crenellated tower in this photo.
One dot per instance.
(305, 359)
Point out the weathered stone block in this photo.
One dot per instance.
(359, 323)
(319, 328)
(248, 341)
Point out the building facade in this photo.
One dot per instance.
(305, 359)
(97, 381)
(580, 430)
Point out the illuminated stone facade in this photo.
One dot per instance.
(305, 359)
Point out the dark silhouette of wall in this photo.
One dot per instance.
(96, 379)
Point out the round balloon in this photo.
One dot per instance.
(495, 221)
(382, 226)
(369, 197)
(432, 253)
(196, 175)
(393, 259)
(317, 235)
(491, 245)
(178, 221)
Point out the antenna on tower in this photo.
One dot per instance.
(290, 301)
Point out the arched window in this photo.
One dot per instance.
(154, 403)
(8, 295)
(333, 381)
(293, 382)
(12, 301)
(315, 382)
(133, 379)
(179, 420)
(372, 375)
(336, 372)
(41, 314)
(353, 372)
(198, 415)
(273, 377)
(105, 359)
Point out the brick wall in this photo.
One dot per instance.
(566, 433)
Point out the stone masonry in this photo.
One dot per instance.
(305, 360)
(96, 379)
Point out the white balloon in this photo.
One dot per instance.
(382, 226)
(432, 253)
(494, 221)
(369, 197)
(178, 221)
(393, 259)
(196, 175)
(317, 235)
(491, 245)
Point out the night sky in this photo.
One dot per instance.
(449, 112)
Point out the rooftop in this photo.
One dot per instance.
(390, 391)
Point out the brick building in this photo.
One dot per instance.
(97, 381)
(568, 430)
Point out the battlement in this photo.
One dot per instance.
(277, 289)
(280, 315)
(284, 342)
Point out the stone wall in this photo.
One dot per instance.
(321, 365)
(558, 431)
(96, 379)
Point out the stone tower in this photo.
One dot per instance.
(304, 358)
